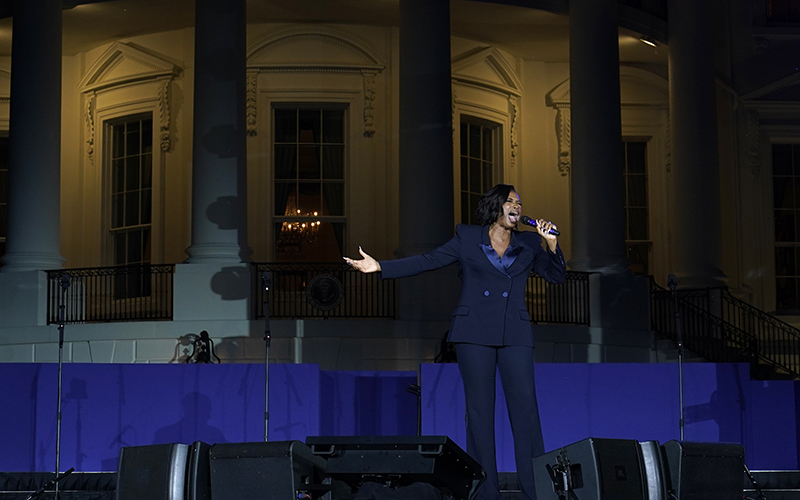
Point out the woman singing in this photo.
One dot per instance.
(491, 326)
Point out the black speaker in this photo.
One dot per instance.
(155, 472)
(198, 475)
(707, 471)
(398, 461)
(280, 470)
(592, 469)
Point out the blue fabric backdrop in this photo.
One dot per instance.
(107, 406)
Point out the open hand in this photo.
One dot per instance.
(365, 265)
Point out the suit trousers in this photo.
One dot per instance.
(479, 365)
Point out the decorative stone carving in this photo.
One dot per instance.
(89, 118)
(369, 103)
(564, 135)
(251, 112)
(514, 108)
(164, 115)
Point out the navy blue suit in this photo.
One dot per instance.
(492, 330)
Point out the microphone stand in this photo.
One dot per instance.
(52, 483)
(267, 342)
(65, 282)
(672, 283)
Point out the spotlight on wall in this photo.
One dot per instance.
(649, 41)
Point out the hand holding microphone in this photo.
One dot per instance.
(530, 222)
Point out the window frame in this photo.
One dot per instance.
(275, 219)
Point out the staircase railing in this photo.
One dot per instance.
(778, 341)
(722, 328)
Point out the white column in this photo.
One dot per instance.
(34, 172)
(219, 214)
(598, 230)
(695, 202)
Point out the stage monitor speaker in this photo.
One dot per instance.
(279, 470)
(707, 471)
(398, 461)
(655, 472)
(592, 469)
(155, 472)
(198, 480)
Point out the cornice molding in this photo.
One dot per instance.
(510, 85)
(96, 80)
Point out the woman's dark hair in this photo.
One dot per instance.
(490, 206)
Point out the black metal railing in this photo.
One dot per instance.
(321, 290)
(566, 303)
(722, 328)
(104, 294)
(778, 341)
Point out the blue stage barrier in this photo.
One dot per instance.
(108, 406)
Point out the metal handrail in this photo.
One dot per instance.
(714, 336)
(141, 292)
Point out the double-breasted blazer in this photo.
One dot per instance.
(491, 310)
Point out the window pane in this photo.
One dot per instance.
(333, 198)
(132, 138)
(464, 175)
(134, 247)
(464, 140)
(465, 213)
(117, 176)
(117, 211)
(786, 294)
(286, 125)
(475, 176)
(487, 177)
(132, 208)
(333, 162)
(488, 141)
(474, 141)
(147, 136)
(285, 162)
(309, 199)
(333, 126)
(118, 141)
(120, 248)
(147, 171)
(782, 159)
(147, 202)
(132, 173)
(637, 191)
(783, 192)
(309, 164)
(636, 158)
(309, 126)
(284, 191)
(637, 224)
(784, 226)
(785, 264)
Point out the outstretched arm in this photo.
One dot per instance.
(366, 265)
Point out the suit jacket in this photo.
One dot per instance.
(491, 310)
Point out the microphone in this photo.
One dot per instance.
(530, 222)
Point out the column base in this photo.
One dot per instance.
(31, 261)
(207, 253)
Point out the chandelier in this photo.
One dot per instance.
(294, 234)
